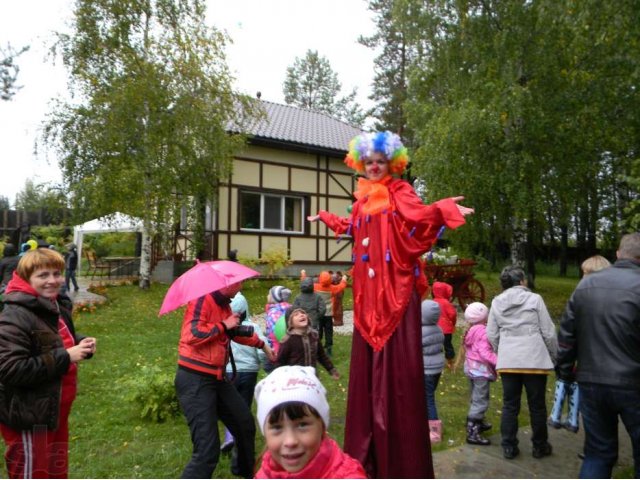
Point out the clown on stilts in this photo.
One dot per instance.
(386, 426)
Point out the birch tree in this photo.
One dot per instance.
(152, 98)
(9, 70)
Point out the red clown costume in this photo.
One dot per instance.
(391, 228)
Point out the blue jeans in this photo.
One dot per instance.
(245, 383)
(600, 406)
(430, 386)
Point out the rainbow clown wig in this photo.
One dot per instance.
(387, 143)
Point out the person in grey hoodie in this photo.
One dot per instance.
(433, 359)
(310, 302)
(523, 335)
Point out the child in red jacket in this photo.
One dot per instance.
(327, 290)
(293, 415)
(336, 299)
(448, 316)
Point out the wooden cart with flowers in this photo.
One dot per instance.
(466, 288)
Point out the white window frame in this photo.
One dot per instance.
(282, 198)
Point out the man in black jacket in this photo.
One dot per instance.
(600, 334)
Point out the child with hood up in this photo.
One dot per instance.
(293, 415)
(480, 367)
(433, 360)
(337, 306)
(448, 316)
(277, 304)
(301, 345)
(327, 290)
(310, 302)
(242, 372)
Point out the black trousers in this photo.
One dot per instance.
(205, 400)
(535, 385)
(449, 352)
(325, 329)
(245, 383)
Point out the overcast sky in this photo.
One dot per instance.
(267, 35)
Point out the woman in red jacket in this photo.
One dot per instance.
(391, 228)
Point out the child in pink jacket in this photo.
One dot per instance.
(480, 367)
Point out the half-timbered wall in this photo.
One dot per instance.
(323, 181)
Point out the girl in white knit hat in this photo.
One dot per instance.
(293, 415)
(480, 367)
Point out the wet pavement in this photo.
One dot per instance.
(473, 461)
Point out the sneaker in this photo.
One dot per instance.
(552, 423)
(542, 451)
(227, 446)
(570, 427)
(510, 452)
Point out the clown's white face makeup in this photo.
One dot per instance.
(376, 167)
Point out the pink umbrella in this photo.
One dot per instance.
(205, 277)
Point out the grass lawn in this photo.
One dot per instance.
(110, 439)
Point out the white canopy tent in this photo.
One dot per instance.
(116, 222)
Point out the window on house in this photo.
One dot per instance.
(271, 212)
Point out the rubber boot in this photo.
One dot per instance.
(474, 436)
(435, 431)
(485, 426)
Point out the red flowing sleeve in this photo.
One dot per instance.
(424, 221)
(338, 224)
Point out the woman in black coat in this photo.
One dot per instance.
(39, 353)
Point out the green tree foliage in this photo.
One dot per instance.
(311, 83)
(147, 130)
(529, 109)
(632, 219)
(5, 204)
(9, 70)
(46, 197)
(391, 65)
